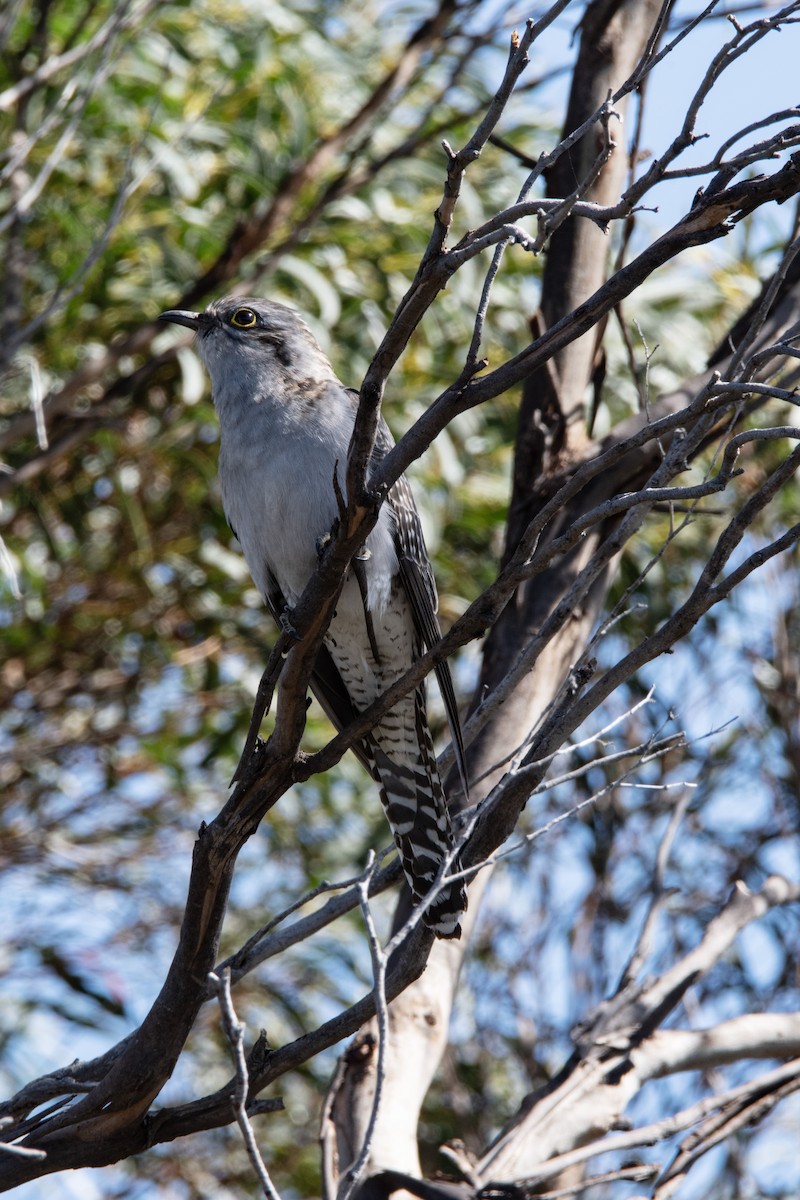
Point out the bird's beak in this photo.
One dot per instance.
(180, 316)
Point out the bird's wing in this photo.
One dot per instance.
(417, 578)
(416, 574)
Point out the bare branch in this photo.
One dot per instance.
(613, 1060)
(234, 1031)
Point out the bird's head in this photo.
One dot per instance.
(249, 339)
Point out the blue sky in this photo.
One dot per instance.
(763, 81)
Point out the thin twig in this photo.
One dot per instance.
(234, 1031)
(642, 946)
(351, 1177)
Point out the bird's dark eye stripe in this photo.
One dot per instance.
(244, 318)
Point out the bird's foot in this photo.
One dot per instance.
(325, 538)
(285, 622)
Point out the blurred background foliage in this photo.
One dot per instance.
(131, 638)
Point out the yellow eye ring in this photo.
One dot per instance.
(244, 318)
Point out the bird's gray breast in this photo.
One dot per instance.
(276, 474)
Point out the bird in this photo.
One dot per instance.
(286, 422)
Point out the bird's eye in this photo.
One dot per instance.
(244, 318)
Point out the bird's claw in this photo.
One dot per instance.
(325, 538)
(285, 622)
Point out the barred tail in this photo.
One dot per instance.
(415, 804)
